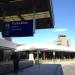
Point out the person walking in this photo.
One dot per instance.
(15, 58)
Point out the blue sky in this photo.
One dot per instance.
(64, 16)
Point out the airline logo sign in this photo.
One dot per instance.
(18, 28)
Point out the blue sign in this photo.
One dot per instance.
(18, 28)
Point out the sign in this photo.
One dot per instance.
(18, 28)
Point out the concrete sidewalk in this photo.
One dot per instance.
(42, 69)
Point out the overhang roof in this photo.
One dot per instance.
(44, 47)
(5, 44)
(20, 8)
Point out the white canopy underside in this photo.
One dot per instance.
(29, 47)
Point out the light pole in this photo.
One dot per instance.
(37, 60)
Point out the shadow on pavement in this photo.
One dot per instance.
(42, 69)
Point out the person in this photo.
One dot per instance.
(15, 58)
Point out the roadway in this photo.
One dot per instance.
(64, 68)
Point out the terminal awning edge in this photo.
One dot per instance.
(20, 8)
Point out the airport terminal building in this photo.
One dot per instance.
(61, 49)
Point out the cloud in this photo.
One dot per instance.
(60, 30)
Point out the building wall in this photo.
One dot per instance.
(7, 55)
(6, 48)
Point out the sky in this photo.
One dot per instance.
(64, 17)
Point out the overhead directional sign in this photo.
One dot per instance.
(18, 28)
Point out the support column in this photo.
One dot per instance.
(43, 55)
(34, 19)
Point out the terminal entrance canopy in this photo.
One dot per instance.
(18, 10)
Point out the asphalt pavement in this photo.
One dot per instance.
(64, 68)
(42, 69)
